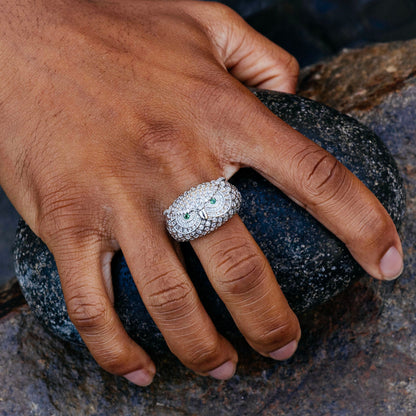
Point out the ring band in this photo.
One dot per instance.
(202, 209)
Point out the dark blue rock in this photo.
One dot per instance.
(310, 263)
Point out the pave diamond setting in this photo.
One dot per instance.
(202, 209)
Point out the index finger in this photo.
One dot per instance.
(317, 181)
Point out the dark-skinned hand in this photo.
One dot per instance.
(109, 110)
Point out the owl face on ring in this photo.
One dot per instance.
(200, 210)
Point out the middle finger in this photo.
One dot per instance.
(243, 278)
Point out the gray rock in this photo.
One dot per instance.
(357, 354)
(312, 265)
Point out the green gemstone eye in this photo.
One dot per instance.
(212, 201)
(186, 216)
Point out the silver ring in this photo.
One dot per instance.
(202, 209)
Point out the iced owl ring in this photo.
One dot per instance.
(202, 209)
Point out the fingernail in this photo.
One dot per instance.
(140, 377)
(391, 265)
(285, 352)
(224, 371)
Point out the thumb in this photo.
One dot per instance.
(249, 56)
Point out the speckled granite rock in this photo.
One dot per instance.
(312, 265)
(357, 355)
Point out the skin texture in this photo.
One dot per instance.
(108, 111)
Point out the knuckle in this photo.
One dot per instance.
(91, 314)
(214, 92)
(70, 216)
(88, 311)
(292, 66)
(322, 176)
(112, 359)
(161, 139)
(112, 354)
(372, 228)
(282, 331)
(167, 147)
(55, 200)
(211, 97)
(202, 355)
(239, 265)
(168, 294)
(60, 210)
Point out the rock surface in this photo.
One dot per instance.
(8, 222)
(357, 355)
(312, 265)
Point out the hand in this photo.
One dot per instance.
(109, 111)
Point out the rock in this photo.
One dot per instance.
(312, 265)
(357, 352)
(8, 222)
(383, 68)
(10, 297)
(44, 375)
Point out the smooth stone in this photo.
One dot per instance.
(310, 263)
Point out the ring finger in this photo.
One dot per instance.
(237, 269)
